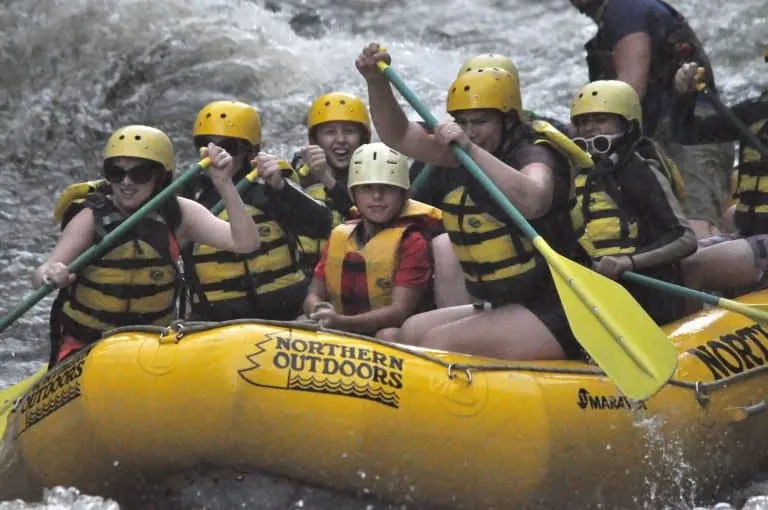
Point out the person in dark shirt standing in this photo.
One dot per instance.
(643, 42)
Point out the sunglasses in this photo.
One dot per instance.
(231, 145)
(140, 174)
(599, 144)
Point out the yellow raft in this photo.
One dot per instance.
(408, 425)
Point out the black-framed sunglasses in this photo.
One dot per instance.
(232, 145)
(139, 174)
(599, 144)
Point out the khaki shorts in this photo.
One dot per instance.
(706, 172)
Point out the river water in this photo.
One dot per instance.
(75, 70)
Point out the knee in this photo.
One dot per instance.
(411, 332)
(389, 334)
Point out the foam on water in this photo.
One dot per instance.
(74, 70)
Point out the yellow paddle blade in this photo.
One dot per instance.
(612, 327)
(8, 396)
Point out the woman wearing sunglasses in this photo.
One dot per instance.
(626, 214)
(266, 283)
(136, 281)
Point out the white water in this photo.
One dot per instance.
(74, 70)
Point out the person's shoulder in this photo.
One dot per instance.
(414, 242)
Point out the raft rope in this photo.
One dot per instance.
(178, 329)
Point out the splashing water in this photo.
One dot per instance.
(75, 70)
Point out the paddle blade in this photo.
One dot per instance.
(616, 332)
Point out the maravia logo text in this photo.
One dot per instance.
(283, 361)
(588, 401)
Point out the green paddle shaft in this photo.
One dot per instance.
(728, 114)
(242, 186)
(105, 244)
(421, 178)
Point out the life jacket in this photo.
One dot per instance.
(227, 285)
(675, 47)
(604, 226)
(71, 200)
(751, 215)
(499, 262)
(310, 248)
(372, 266)
(135, 282)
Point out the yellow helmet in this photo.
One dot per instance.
(489, 60)
(377, 163)
(338, 106)
(488, 87)
(608, 96)
(141, 142)
(231, 119)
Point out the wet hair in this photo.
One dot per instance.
(513, 130)
(170, 209)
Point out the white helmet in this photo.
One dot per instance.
(376, 163)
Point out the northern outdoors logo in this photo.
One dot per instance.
(55, 390)
(283, 361)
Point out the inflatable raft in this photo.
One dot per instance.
(419, 427)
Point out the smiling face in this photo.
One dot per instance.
(339, 140)
(484, 127)
(378, 203)
(133, 180)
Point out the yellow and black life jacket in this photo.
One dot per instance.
(361, 278)
(266, 283)
(603, 227)
(310, 247)
(136, 282)
(499, 263)
(72, 199)
(492, 255)
(751, 215)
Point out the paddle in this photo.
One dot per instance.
(243, 185)
(99, 249)
(728, 114)
(614, 329)
(710, 299)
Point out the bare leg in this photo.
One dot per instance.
(415, 327)
(450, 289)
(509, 332)
(388, 334)
(722, 266)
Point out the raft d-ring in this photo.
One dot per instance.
(452, 374)
(179, 331)
(701, 394)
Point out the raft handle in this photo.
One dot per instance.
(165, 334)
(701, 394)
(452, 374)
(742, 413)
